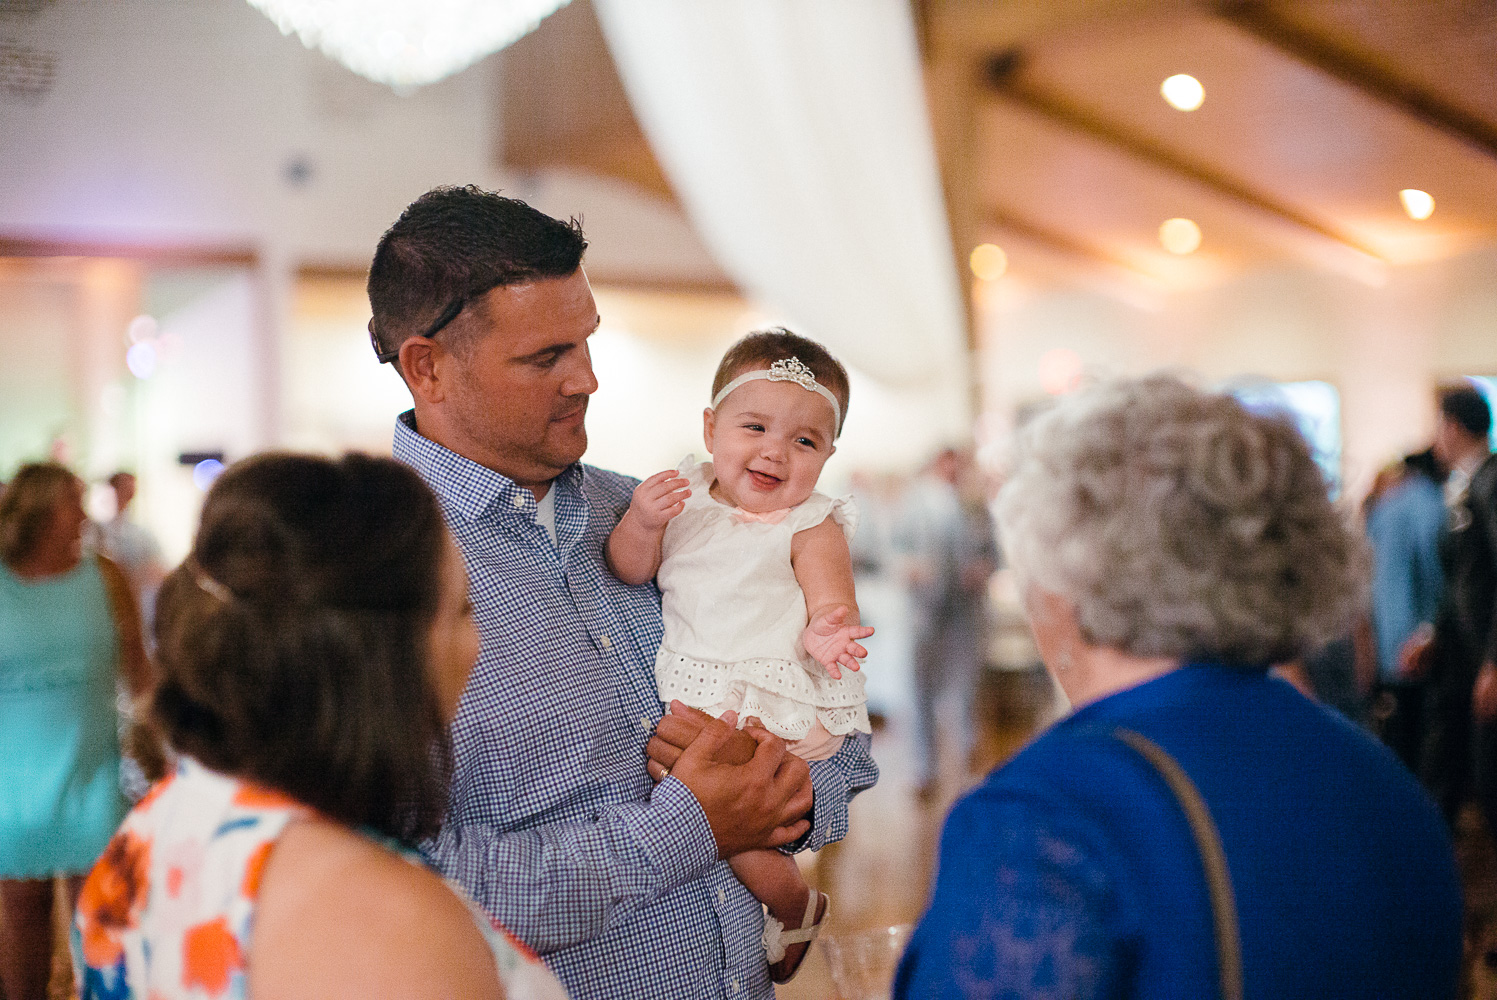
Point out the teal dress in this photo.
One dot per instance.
(59, 749)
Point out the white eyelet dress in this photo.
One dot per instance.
(734, 614)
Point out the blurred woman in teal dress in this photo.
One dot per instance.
(68, 628)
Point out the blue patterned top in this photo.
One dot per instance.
(554, 825)
(1071, 871)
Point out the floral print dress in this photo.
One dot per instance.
(167, 912)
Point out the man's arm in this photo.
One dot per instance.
(834, 782)
(559, 885)
(562, 884)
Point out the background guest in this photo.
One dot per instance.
(948, 536)
(1460, 751)
(68, 626)
(1404, 525)
(1171, 546)
(313, 648)
(132, 547)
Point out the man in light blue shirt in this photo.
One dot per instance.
(1403, 528)
(555, 827)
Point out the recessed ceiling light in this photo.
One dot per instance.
(988, 262)
(1419, 204)
(1183, 92)
(1180, 236)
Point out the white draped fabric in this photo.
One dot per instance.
(796, 134)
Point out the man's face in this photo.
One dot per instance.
(519, 393)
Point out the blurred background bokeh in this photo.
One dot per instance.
(978, 204)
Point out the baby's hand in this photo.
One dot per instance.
(658, 499)
(833, 642)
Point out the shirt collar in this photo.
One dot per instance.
(469, 489)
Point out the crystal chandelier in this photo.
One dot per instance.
(407, 43)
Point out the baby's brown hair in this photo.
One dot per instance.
(763, 348)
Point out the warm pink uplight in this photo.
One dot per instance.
(1060, 371)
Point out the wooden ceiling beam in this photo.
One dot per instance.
(1362, 73)
(1006, 80)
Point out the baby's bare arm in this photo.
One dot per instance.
(823, 568)
(633, 549)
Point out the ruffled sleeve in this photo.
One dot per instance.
(816, 508)
(698, 476)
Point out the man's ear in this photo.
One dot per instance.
(419, 366)
(709, 418)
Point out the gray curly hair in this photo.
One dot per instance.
(1179, 524)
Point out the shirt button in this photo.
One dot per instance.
(605, 642)
(518, 501)
(736, 985)
(644, 723)
(722, 896)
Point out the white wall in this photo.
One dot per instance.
(178, 120)
(1382, 346)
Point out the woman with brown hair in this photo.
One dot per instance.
(312, 649)
(68, 626)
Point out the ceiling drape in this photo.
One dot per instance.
(796, 135)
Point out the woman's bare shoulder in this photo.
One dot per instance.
(338, 915)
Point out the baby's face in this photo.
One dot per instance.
(769, 441)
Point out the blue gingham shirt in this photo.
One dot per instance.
(554, 825)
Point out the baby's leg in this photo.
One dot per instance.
(775, 881)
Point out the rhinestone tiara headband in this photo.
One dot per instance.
(786, 370)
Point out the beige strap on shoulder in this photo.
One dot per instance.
(1213, 859)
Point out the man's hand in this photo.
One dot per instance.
(832, 640)
(681, 725)
(760, 803)
(658, 499)
(1415, 654)
(1484, 694)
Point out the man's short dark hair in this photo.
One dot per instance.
(1466, 406)
(293, 642)
(449, 247)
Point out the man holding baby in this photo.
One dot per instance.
(555, 825)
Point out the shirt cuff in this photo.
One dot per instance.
(828, 813)
(676, 836)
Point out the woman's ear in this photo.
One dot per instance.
(709, 418)
(1054, 623)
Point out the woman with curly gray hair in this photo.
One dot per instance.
(1195, 827)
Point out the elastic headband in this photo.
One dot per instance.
(786, 370)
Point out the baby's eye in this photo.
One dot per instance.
(754, 427)
(807, 442)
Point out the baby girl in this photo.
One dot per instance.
(756, 583)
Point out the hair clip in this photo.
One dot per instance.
(209, 585)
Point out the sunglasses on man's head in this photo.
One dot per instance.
(446, 316)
